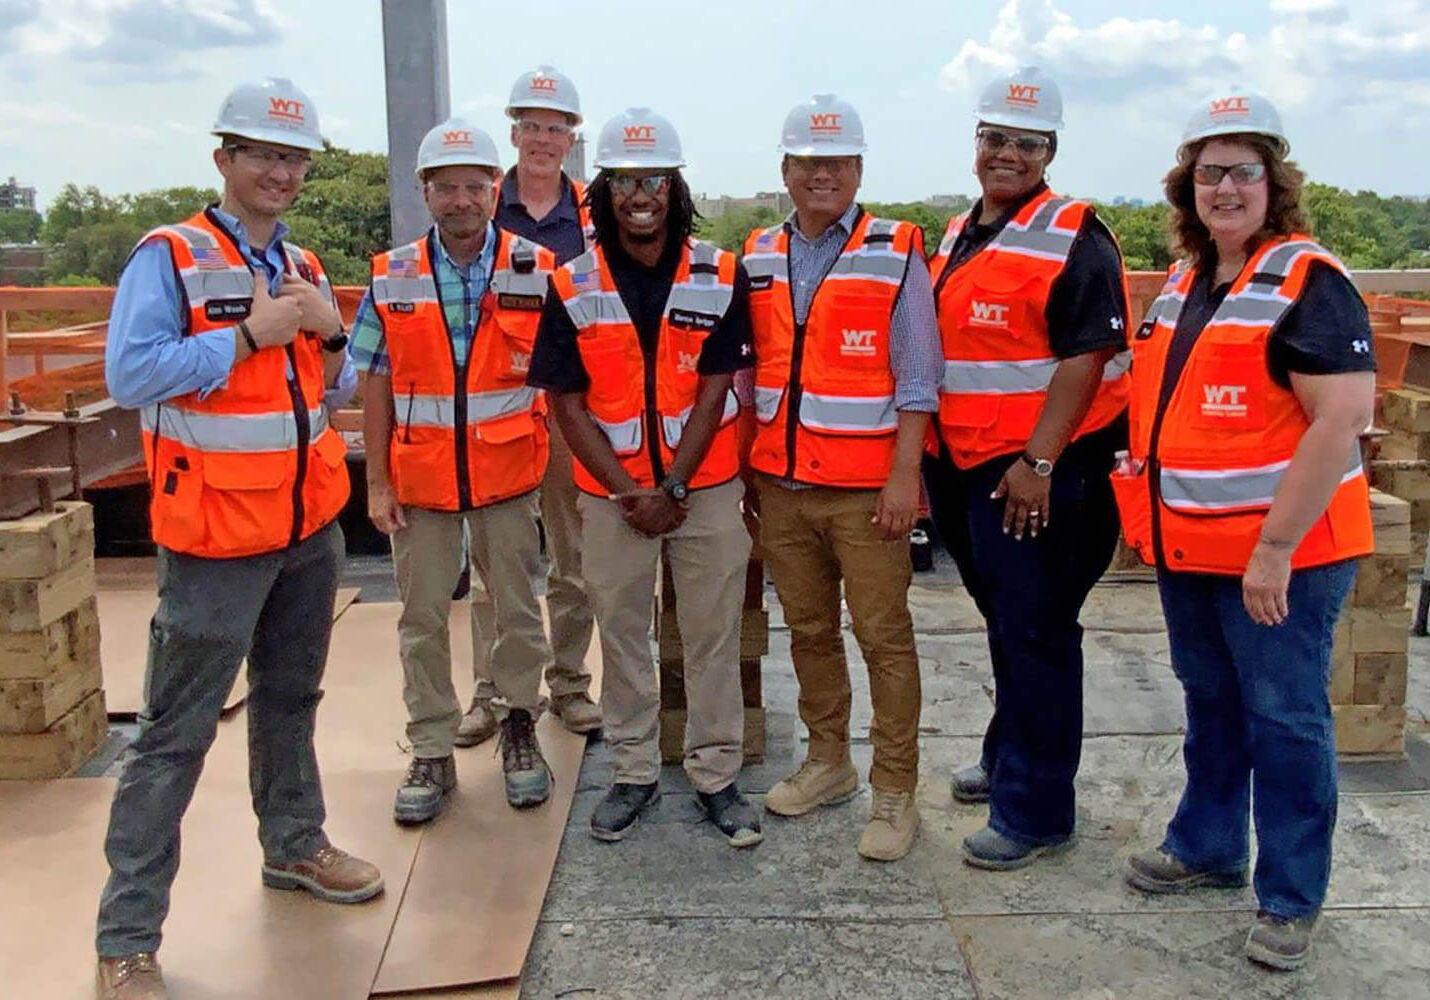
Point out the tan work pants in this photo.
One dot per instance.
(707, 556)
(813, 538)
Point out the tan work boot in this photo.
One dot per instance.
(577, 712)
(893, 826)
(332, 875)
(478, 725)
(131, 977)
(814, 784)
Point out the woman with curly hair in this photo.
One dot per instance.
(1252, 378)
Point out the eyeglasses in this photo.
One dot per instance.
(555, 130)
(1029, 147)
(270, 158)
(652, 184)
(473, 189)
(834, 164)
(1242, 174)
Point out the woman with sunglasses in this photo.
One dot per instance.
(1032, 310)
(1252, 378)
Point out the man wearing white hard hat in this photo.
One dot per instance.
(846, 376)
(536, 200)
(456, 442)
(228, 339)
(1032, 309)
(638, 345)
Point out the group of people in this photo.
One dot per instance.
(574, 353)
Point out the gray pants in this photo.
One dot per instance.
(276, 609)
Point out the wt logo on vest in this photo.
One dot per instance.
(685, 363)
(825, 123)
(279, 107)
(1021, 93)
(994, 314)
(640, 135)
(858, 344)
(1223, 401)
(1229, 106)
(520, 362)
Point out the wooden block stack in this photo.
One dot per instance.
(754, 643)
(1404, 469)
(52, 715)
(1371, 653)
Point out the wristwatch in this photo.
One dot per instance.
(1042, 467)
(675, 489)
(336, 342)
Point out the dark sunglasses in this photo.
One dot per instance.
(653, 184)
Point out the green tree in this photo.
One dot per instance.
(19, 225)
(342, 214)
(729, 230)
(1141, 232)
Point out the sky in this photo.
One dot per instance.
(121, 93)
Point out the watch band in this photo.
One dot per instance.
(1041, 466)
(247, 335)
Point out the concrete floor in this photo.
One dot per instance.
(674, 913)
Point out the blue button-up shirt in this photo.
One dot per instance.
(147, 358)
(460, 289)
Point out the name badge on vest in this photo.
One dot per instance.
(511, 300)
(759, 282)
(684, 319)
(228, 309)
(402, 307)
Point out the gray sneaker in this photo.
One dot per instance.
(428, 781)
(1157, 871)
(528, 779)
(478, 725)
(1280, 944)
(971, 784)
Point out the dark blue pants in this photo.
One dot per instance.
(1258, 721)
(1031, 593)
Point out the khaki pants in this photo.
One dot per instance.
(427, 555)
(813, 538)
(707, 556)
(567, 605)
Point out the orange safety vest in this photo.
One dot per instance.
(470, 438)
(253, 466)
(638, 427)
(583, 211)
(824, 391)
(992, 315)
(1214, 456)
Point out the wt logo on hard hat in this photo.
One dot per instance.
(1022, 94)
(988, 314)
(1229, 106)
(543, 85)
(280, 107)
(826, 123)
(640, 135)
(460, 137)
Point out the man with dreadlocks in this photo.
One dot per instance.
(638, 344)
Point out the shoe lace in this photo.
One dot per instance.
(887, 806)
(131, 965)
(518, 742)
(424, 771)
(805, 772)
(328, 856)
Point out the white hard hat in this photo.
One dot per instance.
(544, 87)
(456, 143)
(272, 111)
(1235, 110)
(1026, 98)
(823, 126)
(638, 137)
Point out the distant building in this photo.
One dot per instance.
(575, 162)
(13, 196)
(950, 202)
(713, 208)
(1129, 202)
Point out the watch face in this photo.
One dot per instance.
(678, 491)
(1043, 467)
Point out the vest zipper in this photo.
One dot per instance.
(300, 416)
(796, 388)
(407, 426)
(652, 415)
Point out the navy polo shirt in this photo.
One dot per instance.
(559, 231)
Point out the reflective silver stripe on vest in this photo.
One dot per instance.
(514, 283)
(625, 435)
(1038, 238)
(387, 289)
(1230, 489)
(234, 282)
(441, 411)
(1003, 378)
(884, 266)
(844, 414)
(192, 235)
(673, 428)
(767, 402)
(771, 265)
(592, 308)
(231, 432)
(1280, 260)
(951, 234)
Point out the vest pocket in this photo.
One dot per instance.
(857, 341)
(1134, 506)
(177, 506)
(246, 498)
(1227, 387)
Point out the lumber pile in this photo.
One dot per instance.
(1403, 468)
(52, 715)
(1371, 654)
(754, 643)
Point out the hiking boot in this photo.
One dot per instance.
(991, 850)
(1280, 944)
(618, 813)
(1158, 871)
(893, 826)
(971, 785)
(732, 815)
(524, 770)
(478, 725)
(814, 784)
(577, 712)
(422, 792)
(131, 977)
(332, 875)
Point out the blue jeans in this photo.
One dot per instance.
(276, 609)
(1258, 721)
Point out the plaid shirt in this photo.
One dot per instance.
(461, 291)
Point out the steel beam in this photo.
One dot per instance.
(414, 42)
(108, 445)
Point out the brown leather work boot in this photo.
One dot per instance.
(577, 712)
(332, 875)
(131, 977)
(478, 725)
